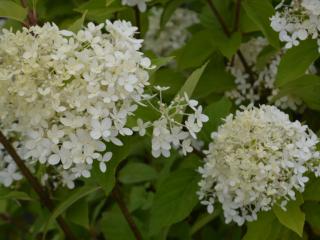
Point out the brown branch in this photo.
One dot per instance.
(237, 17)
(200, 154)
(228, 34)
(219, 18)
(116, 194)
(43, 196)
(31, 16)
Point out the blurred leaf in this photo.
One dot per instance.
(293, 218)
(78, 24)
(265, 56)
(9, 194)
(312, 211)
(190, 85)
(107, 180)
(265, 228)
(246, 24)
(99, 11)
(260, 11)
(215, 78)
(306, 88)
(12, 10)
(293, 65)
(159, 62)
(174, 200)
(114, 226)
(140, 198)
(203, 220)
(137, 172)
(169, 9)
(196, 51)
(180, 231)
(109, 2)
(79, 213)
(168, 77)
(216, 112)
(227, 46)
(64, 205)
(312, 191)
(192, 81)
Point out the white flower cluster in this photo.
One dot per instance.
(297, 22)
(247, 91)
(258, 158)
(162, 41)
(8, 169)
(64, 96)
(141, 4)
(168, 131)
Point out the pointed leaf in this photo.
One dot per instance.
(293, 218)
(174, 200)
(78, 24)
(260, 11)
(296, 62)
(12, 10)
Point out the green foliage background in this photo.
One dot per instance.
(161, 193)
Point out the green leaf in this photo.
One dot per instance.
(159, 62)
(312, 191)
(8, 194)
(137, 172)
(191, 84)
(192, 81)
(12, 10)
(79, 213)
(293, 218)
(265, 228)
(228, 46)
(140, 198)
(109, 2)
(296, 62)
(99, 10)
(260, 11)
(74, 197)
(107, 180)
(169, 9)
(215, 78)
(306, 88)
(265, 56)
(114, 226)
(312, 210)
(168, 77)
(174, 200)
(78, 24)
(196, 51)
(216, 112)
(203, 220)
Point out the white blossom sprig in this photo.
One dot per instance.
(297, 22)
(168, 131)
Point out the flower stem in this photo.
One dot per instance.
(31, 17)
(228, 34)
(116, 194)
(237, 17)
(44, 198)
(138, 22)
